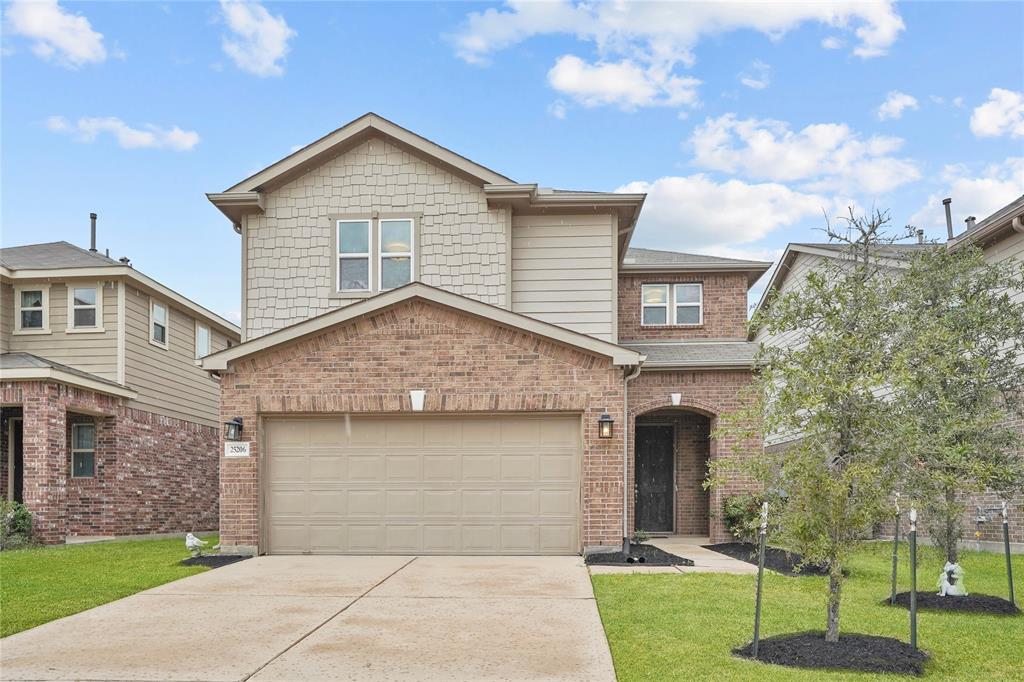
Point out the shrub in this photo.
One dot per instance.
(640, 536)
(742, 515)
(15, 525)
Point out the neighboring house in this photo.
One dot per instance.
(108, 426)
(437, 359)
(1001, 236)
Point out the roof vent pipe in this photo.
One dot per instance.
(970, 222)
(949, 217)
(920, 236)
(92, 232)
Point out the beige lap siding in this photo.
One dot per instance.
(708, 392)
(465, 364)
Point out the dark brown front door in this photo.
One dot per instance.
(17, 439)
(654, 488)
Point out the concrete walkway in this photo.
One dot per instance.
(335, 618)
(704, 560)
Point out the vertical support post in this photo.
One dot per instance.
(760, 577)
(1006, 549)
(895, 549)
(913, 578)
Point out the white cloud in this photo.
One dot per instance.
(977, 194)
(824, 156)
(696, 212)
(1001, 114)
(60, 36)
(832, 43)
(758, 76)
(625, 84)
(958, 102)
(894, 105)
(259, 43)
(558, 109)
(148, 136)
(649, 41)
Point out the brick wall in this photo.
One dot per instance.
(708, 393)
(725, 307)
(465, 364)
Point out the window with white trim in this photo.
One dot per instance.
(353, 255)
(83, 450)
(158, 323)
(202, 340)
(84, 306)
(33, 309)
(667, 304)
(395, 252)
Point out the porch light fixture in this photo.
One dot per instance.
(233, 429)
(416, 397)
(604, 425)
(676, 399)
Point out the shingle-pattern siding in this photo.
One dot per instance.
(466, 365)
(725, 307)
(463, 245)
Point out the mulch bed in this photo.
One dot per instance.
(776, 559)
(213, 560)
(974, 603)
(867, 653)
(651, 555)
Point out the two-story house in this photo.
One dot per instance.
(108, 426)
(439, 360)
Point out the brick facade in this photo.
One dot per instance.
(725, 307)
(153, 474)
(466, 365)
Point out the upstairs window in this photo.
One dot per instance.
(84, 307)
(671, 304)
(354, 255)
(158, 324)
(83, 450)
(202, 341)
(33, 310)
(396, 253)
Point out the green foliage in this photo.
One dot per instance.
(15, 525)
(640, 536)
(742, 515)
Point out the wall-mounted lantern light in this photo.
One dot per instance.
(676, 399)
(233, 429)
(416, 397)
(604, 425)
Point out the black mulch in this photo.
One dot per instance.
(652, 557)
(975, 603)
(774, 558)
(866, 653)
(213, 560)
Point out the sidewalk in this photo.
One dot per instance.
(704, 560)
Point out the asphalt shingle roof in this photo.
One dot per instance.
(50, 256)
(695, 353)
(636, 256)
(21, 360)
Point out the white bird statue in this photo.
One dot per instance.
(194, 544)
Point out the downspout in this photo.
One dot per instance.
(625, 457)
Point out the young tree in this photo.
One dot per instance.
(838, 475)
(959, 361)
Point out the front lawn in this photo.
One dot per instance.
(683, 627)
(40, 585)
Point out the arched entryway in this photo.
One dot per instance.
(671, 450)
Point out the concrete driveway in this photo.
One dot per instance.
(335, 618)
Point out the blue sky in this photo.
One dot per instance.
(743, 124)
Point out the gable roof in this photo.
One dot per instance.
(618, 354)
(1002, 223)
(654, 260)
(349, 135)
(51, 255)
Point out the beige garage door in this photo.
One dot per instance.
(424, 485)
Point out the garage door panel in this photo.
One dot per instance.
(424, 485)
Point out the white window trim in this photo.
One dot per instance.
(699, 305)
(45, 329)
(338, 255)
(672, 304)
(71, 328)
(74, 450)
(410, 254)
(167, 323)
(209, 339)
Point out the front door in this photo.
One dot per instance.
(654, 485)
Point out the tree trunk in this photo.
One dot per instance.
(835, 586)
(952, 527)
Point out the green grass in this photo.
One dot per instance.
(683, 627)
(43, 584)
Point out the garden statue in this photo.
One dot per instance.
(194, 544)
(951, 581)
